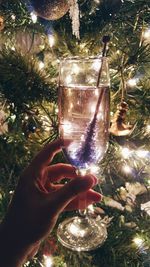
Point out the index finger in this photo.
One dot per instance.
(45, 156)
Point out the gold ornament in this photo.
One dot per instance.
(118, 125)
(50, 9)
(1, 23)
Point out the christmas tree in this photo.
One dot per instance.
(32, 44)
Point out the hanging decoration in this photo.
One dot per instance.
(118, 123)
(55, 9)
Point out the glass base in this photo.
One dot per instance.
(82, 234)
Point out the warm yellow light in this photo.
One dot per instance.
(146, 35)
(138, 241)
(33, 17)
(148, 128)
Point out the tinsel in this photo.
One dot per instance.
(74, 15)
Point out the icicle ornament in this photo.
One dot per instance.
(75, 17)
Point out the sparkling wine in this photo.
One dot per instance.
(83, 124)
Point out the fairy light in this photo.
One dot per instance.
(146, 34)
(13, 48)
(148, 129)
(48, 261)
(142, 153)
(126, 169)
(126, 152)
(33, 17)
(51, 40)
(41, 65)
(138, 241)
(132, 82)
(13, 17)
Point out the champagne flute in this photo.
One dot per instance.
(84, 118)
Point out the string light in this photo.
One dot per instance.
(51, 40)
(13, 17)
(146, 35)
(138, 241)
(126, 152)
(127, 169)
(41, 65)
(132, 82)
(48, 261)
(33, 17)
(147, 129)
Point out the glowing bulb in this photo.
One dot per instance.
(41, 65)
(56, 110)
(142, 153)
(132, 82)
(48, 261)
(51, 40)
(33, 17)
(146, 34)
(138, 241)
(126, 169)
(13, 48)
(13, 17)
(125, 152)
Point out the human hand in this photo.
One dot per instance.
(40, 198)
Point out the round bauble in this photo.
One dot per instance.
(50, 9)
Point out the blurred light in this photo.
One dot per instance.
(96, 65)
(51, 40)
(13, 16)
(68, 79)
(48, 261)
(75, 230)
(94, 169)
(13, 48)
(67, 126)
(126, 152)
(56, 110)
(148, 128)
(142, 153)
(41, 65)
(97, 1)
(138, 241)
(132, 82)
(146, 35)
(75, 69)
(148, 182)
(91, 208)
(127, 169)
(33, 17)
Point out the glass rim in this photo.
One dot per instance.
(80, 58)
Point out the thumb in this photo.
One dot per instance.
(69, 191)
